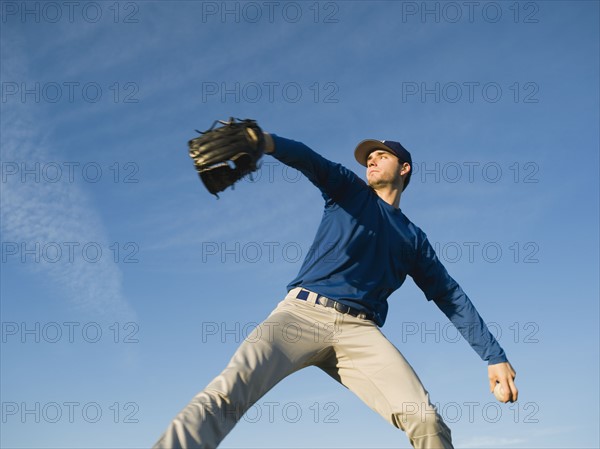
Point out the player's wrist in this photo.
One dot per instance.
(269, 145)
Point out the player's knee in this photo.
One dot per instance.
(418, 420)
(210, 405)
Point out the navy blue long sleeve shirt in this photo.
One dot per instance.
(364, 249)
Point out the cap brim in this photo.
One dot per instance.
(364, 148)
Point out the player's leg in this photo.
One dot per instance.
(271, 352)
(369, 365)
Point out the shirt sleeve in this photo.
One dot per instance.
(333, 179)
(432, 278)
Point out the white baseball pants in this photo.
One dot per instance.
(351, 350)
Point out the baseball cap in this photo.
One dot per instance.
(366, 147)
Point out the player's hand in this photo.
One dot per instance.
(225, 154)
(504, 374)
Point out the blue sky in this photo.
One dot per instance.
(126, 287)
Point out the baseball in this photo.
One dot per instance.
(499, 392)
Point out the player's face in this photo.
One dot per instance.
(383, 168)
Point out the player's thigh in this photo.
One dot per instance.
(367, 363)
(276, 348)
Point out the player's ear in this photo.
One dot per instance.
(405, 168)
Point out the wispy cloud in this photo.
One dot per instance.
(53, 220)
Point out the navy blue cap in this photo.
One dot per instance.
(366, 147)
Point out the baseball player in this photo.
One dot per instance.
(362, 252)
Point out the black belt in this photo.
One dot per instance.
(342, 308)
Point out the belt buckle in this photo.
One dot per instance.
(342, 308)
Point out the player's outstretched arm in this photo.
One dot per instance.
(333, 179)
(504, 374)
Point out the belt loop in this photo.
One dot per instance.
(312, 298)
(293, 293)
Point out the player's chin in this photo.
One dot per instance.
(375, 180)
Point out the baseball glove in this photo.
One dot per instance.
(224, 155)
